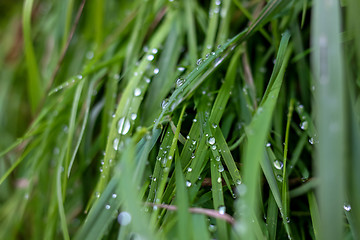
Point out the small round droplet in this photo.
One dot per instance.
(268, 144)
(304, 125)
(188, 183)
(311, 141)
(219, 180)
(221, 168)
(217, 158)
(114, 195)
(278, 164)
(124, 218)
(107, 206)
(156, 71)
(137, 92)
(181, 69)
(189, 169)
(97, 194)
(199, 61)
(154, 51)
(150, 57)
(214, 125)
(347, 207)
(211, 140)
(133, 116)
(222, 210)
(194, 120)
(279, 178)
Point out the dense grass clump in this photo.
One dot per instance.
(180, 119)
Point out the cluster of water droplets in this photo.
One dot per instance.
(67, 83)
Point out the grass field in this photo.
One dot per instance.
(180, 119)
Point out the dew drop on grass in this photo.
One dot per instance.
(133, 116)
(189, 169)
(213, 147)
(219, 180)
(114, 195)
(156, 71)
(268, 144)
(194, 120)
(199, 61)
(107, 206)
(214, 125)
(181, 69)
(279, 178)
(150, 57)
(300, 108)
(221, 168)
(180, 82)
(304, 125)
(124, 218)
(217, 158)
(278, 164)
(97, 194)
(212, 228)
(222, 210)
(347, 207)
(147, 80)
(311, 141)
(116, 144)
(154, 51)
(123, 126)
(137, 92)
(211, 140)
(188, 183)
(165, 103)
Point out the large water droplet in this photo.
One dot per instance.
(278, 164)
(124, 218)
(211, 140)
(219, 180)
(279, 178)
(221, 168)
(123, 126)
(199, 61)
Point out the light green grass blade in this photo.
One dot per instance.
(327, 65)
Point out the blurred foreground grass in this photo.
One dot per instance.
(158, 119)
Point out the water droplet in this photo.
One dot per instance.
(278, 164)
(114, 195)
(181, 69)
(154, 179)
(137, 92)
(194, 120)
(165, 103)
(180, 82)
(211, 140)
(193, 142)
(90, 55)
(199, 61)
(219, 180)
(188, 183)
(213, 147)
(150, 57)
(268, 144)
(217, 158)
(221, 168)
(97, 194)
(123, 126)
(156, 71)
(279, 178)
(147, 80)
(219, 46)
(222, 209)
(107, 206)
(311, 141)
(212, 228)
(300, 108)
(154, 51)
(124, 218)
(304, 125)
(347, 207)
(214, 125)
(189, 169)
(116, 144)
(133, 116)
